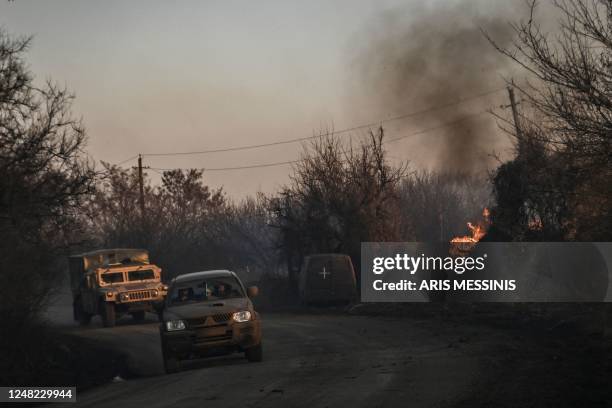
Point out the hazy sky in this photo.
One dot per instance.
(163, 76)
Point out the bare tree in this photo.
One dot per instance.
(45, 180)
(339, 196)
(561, 181)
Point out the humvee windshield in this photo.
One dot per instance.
(143, 274)
(219, 288)
(112, 277)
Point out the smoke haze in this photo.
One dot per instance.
(424, 56)
(158, 77)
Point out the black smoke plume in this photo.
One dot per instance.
(423, 56)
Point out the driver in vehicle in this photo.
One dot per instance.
(220, 291)
(185, 294)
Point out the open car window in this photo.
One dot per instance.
(204, 290)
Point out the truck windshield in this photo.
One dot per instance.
(112, 277)
(205, 290)
(143, 274)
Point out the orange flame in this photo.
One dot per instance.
(476, 231)
(535, 224)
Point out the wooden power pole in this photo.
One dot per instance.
(141, 185)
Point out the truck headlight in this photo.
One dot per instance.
(124, 296)
(174, 325)
(155, 293)
(243, 316)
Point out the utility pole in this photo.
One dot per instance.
(141, 183)
(515, 115)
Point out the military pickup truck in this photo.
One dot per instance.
(206, 314)
(113, 282)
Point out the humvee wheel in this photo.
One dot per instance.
(80, 315)
(254, 354)
(138, 316)
(109, 316)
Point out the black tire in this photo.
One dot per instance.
(171, 363)
(109, 315)
(254, 354)
(138, 316)
(80, 315)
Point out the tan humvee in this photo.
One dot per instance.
(112, 282)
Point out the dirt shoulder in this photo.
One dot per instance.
(43, 356)
(541, 354)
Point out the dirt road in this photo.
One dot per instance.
(310, 360)
(320, 358)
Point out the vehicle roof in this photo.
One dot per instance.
(204, 274)
(109, 251)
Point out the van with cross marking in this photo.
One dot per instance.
(326, 279)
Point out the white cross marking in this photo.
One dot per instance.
(324, 273)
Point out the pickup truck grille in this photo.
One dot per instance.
(222, 317)
(140, 295)
(219, 318)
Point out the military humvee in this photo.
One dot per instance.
(112, 282)
(327, 278)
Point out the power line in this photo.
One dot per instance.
(443, 125)
(274, 164)
(336, 132)
(127, 160)
(254, 166)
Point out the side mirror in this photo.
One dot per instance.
(252, 291)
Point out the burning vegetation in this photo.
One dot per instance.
(460, 246)
(477, 231)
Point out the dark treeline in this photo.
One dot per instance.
(53, 201)
(339, 196)
(186, 226)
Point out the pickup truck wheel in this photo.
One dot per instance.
(138, 316)
(254, 354)
(109, 316)
(80, 315)
(171, 363)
